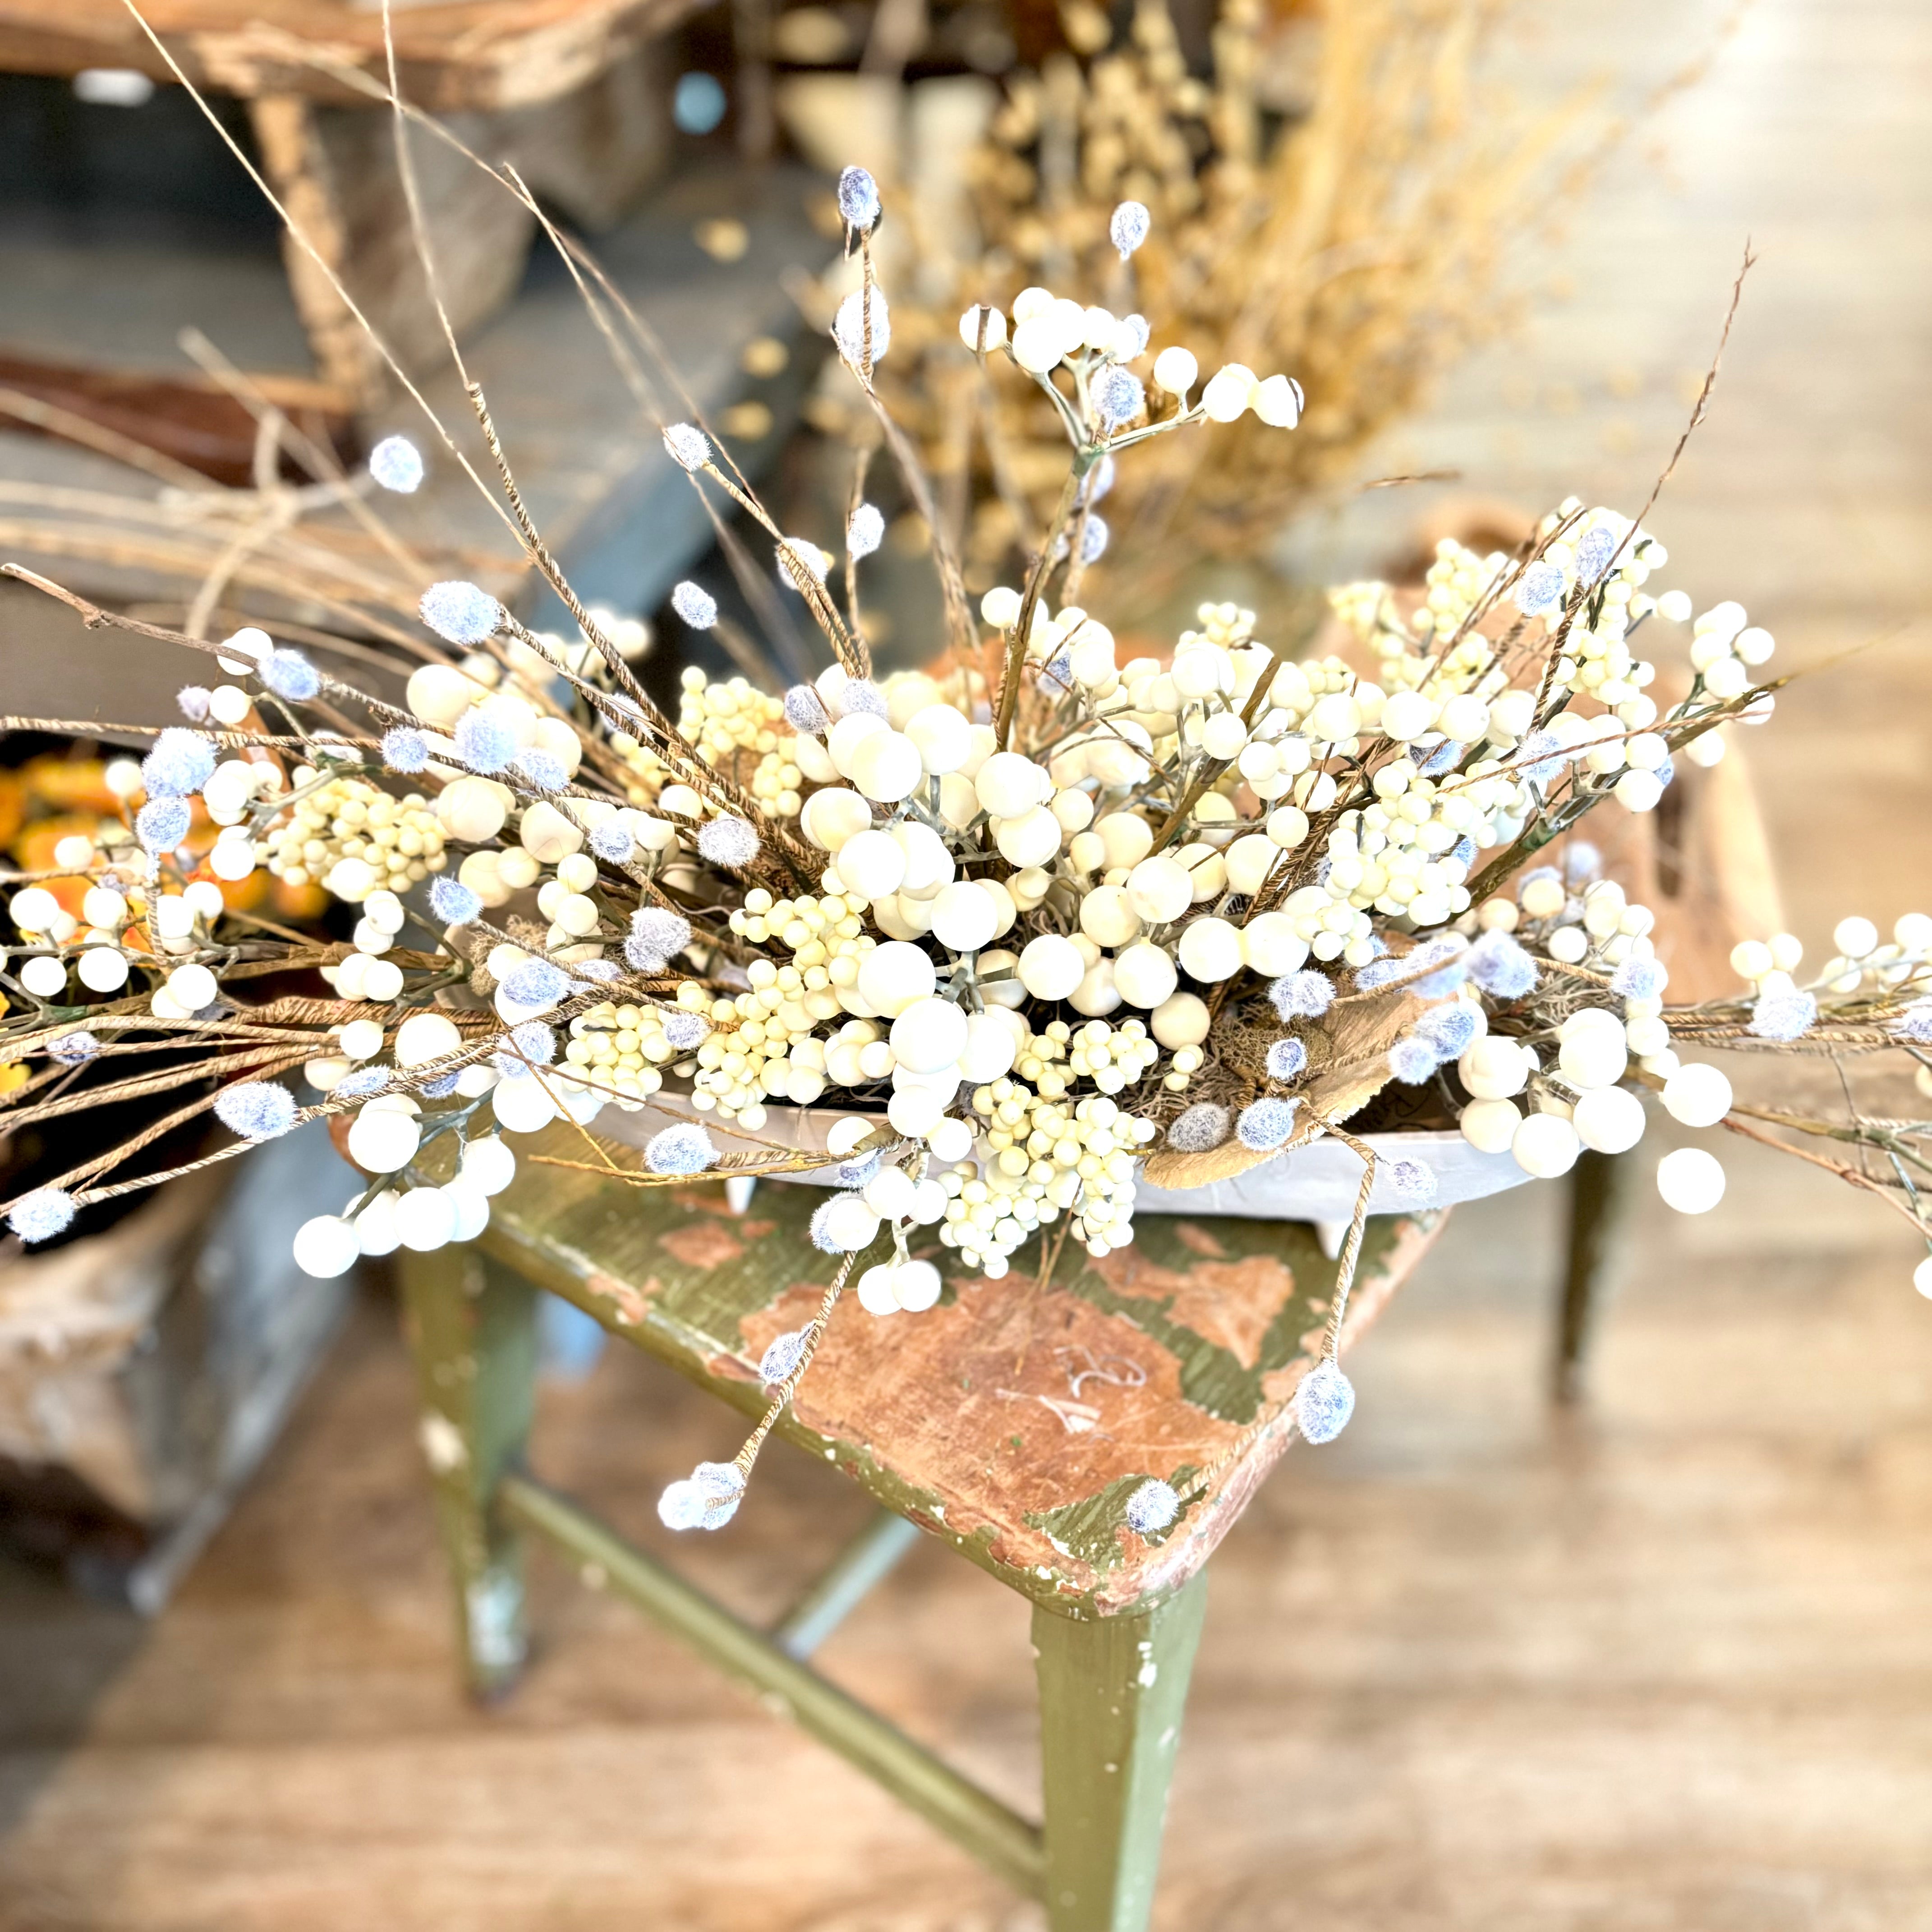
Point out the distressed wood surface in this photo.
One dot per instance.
(475, 53)
(1012, 1420)
(1659, 1666)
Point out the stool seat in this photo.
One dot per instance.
(1014, 1419)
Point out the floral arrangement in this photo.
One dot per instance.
(1033, 924)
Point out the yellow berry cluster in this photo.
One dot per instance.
(1298, 688)
(819, 930)
(1401, 855)
(1597, 662)
(621, 1047)
(1040, 1158)
(645, 774)
(1457, 581)
(1112, 1058)
(761, 1046)
(397, 841)
(724, 719)
(1226, 625)
(1368, 608)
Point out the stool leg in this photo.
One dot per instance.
(472, 1328)
(1599, 1206)
(1112, 1694)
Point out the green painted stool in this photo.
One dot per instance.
(1011, 1422)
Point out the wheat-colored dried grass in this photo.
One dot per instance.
(1363, 248)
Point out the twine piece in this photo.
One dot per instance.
(1348, 1055)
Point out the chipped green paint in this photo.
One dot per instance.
(671, 1272)
(1090, 1529)
(709, 1277)
(1112, 1696)
(556, 1263)
(1212, 1377)
(1007, 1844)
(716, 1298)
(1115, 1636)
(472, 1329)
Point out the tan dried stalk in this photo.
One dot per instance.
(1363, 253)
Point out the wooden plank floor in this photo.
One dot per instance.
(1665, 1667)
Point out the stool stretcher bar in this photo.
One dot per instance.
(865, 1562)
(997, 1836)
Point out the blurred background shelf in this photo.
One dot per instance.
(472, 54)
(570, 92)
(87, 322)
(145, 1368)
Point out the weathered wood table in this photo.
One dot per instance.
(569, 90)
(619, 514)
(1012, 1421)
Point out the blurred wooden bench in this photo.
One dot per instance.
(1011, 1421)
(569, 90)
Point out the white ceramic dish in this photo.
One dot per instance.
(1316, 1182)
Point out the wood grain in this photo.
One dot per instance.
(474, 53)
(1014, 1419)
(1664, 1667)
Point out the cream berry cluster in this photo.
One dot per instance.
(725, 720)
(626, 1048)
(352, 838)
(762, 1046)
(1039, 1158)
(1048, 332)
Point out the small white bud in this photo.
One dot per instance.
(979, 316)
(1129, 227)
(687, 445)
(1176, 370)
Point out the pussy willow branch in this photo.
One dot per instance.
(1358, 1229)
(1017, 638)
(961, 639)
(1331, 1340)
(1557, 815)
(693, 768)
(262, 1059)
(69, 428)
(861, 461)
(334, 484)
(1699, 410)
(98, 727)
(518, 518)
(815, 1331)
(315, 255)
(95, 618)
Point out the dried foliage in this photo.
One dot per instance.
(1361, 242)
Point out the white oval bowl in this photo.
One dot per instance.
(1316, 1183)
(1319, 1182)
